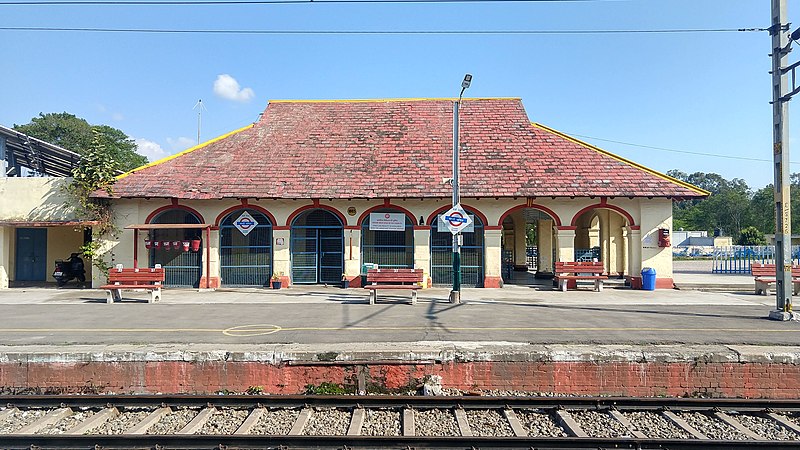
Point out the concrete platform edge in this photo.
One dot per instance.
(412, 352)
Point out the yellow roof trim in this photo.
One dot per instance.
(377, 100)
(623, 160)
(189, 150)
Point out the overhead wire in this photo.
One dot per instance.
(272, 2)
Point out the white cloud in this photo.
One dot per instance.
(118, 117)
(150, 149)
(181, 143)
(227, 87)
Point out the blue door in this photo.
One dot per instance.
(31, 254)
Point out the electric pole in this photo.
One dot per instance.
(779, 30)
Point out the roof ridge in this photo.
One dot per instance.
(188, 150)
(387, 100)
(623, 160)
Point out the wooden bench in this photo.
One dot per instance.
(393, 279)
(142, 279)
(574, 271)
(765, 276)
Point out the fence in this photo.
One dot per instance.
(738, 258)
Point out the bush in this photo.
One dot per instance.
(751, 236)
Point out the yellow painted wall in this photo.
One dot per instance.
(61, 242)
(651, 213)
(34, 199)
(656, 213)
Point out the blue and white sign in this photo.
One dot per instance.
(457, 220)
(443, 227)
(245, 223)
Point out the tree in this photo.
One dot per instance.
(76, 134)
(751, 236)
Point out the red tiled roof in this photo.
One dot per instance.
(395, 149)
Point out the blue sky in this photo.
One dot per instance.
(692, 92)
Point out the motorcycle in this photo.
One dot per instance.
(66, 270)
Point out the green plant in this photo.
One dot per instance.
(255, 390)
(95, 172)
(326, 388)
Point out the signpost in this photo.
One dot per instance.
(245, 223)
(456, 219)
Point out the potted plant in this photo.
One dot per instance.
(276, 280)
(345, 282)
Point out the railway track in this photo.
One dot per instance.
(289, 422)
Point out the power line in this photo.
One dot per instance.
(714, 155)
(381, 32)
(271, 2)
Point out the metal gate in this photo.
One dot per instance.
(317, 248)
(387, 249)
(181, 268)
(245, 260)
(472, 252)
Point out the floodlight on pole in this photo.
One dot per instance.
(455, 294)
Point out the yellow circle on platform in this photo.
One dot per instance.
(251, 330)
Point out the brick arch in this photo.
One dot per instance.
(303, 209)
(387, 206)
(541, 208)
(222, 215)
(158, 211)
(603, 205)
(468, 208)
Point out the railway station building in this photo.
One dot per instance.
(319, 191)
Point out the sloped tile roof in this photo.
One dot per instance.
(395, 149)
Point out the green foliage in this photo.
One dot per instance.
(255, 390)
(77, 135)
(326, 388)
(751, 236)
(95, 172)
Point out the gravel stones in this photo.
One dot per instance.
(714, 429)
(381, 422)
(224, 421)
(67, 422)
(276, 422)
(20, 419)
(173, 422)
(435, 422)
(767, 428)
(539, 423)
(600, 424)
(328, 422)
(655, 426)
(488, 422)
(122, 422)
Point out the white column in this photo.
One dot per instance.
(519, 239)
(565, 238)
(422, 252)
(493, 258)
(544, 234)
(352, 253)
(280, 262)
(634, 252)
(6, 234)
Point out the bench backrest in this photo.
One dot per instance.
(766, 270)
(580, 267)
(397, 276)
(136, 276)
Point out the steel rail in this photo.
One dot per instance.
(387, 401)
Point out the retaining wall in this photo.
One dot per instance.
(714, 371)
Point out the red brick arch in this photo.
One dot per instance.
(468, 208)
(603, 205)
(222, 215)
(408, 214)
(303, 209)
(158, 211)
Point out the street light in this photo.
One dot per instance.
(455, 294)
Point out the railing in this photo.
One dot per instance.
(587, 254)
(738, 258)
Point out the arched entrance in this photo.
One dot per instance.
(472, 253)
(600, 234)
(317, 248)
(388, 248)
(245, 251)
(528, 246)
(182, 268)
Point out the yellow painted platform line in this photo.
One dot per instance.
(244, 330)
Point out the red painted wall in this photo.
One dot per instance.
(750, 380)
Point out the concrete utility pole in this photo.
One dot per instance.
(455, 294)
(779, 30)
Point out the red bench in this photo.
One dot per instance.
(579, 270)
(410, 279)
(765, 276)
(141, 279)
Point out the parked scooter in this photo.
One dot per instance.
(68, 269)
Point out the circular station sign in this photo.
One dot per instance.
(245, 223)
(456, 219)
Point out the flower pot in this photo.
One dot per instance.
(195, 245)
(147, 244)
(156, 244)
(166, 245)
(186, 245)
(276, 284)
(345, 284)
(176, 245)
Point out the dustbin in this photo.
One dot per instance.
(649, 279)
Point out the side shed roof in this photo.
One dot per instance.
(395, 149)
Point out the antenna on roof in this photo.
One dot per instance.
(259, 116)
(199, 106)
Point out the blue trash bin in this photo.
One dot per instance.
(649, 279)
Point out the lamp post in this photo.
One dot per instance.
(455, 294)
